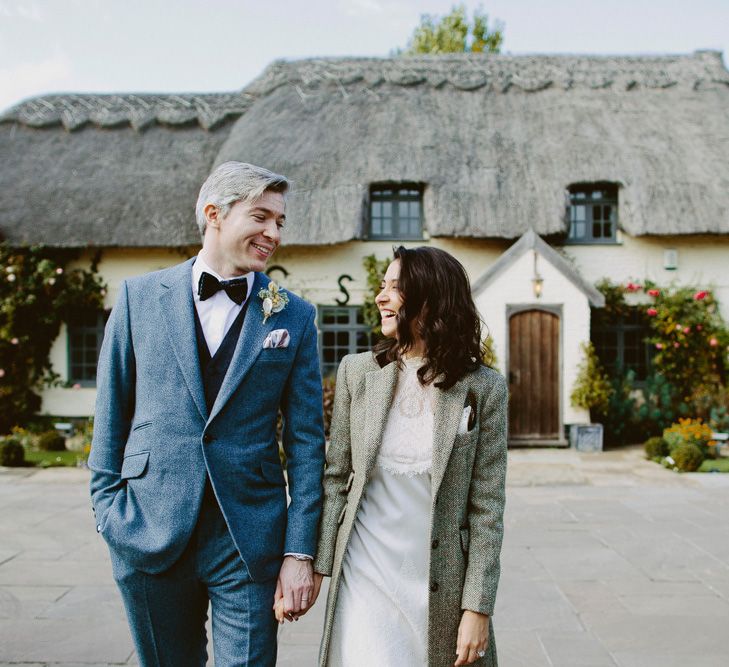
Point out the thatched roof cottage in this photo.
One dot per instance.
(601, 165)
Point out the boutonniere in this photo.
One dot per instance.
(274, 300)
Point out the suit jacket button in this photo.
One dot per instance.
(207, 438)
(434, 544)
(434, 587)
(98, 527)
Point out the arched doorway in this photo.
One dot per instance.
(534, 373)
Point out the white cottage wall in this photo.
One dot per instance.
(314, 270)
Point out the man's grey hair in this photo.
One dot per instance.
(232, 182)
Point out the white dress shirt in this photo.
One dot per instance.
(218, 312)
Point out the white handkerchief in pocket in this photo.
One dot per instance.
(277, 338)
(463, 426)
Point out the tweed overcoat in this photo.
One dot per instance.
(468, 476)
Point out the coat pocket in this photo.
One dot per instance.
(465, 539)
(134, 465)
(142, 425)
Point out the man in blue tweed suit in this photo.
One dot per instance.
(187, 485)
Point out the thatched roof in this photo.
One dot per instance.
(495, 140)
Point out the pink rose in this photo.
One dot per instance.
(713, 342)
(686, 330)
(14, 341)
(678, 327)
(76, 386)
(59, 270)
(653, 292)
(659, 346)
(632, 287)
(699, 327)
(677, 345)
(651, 312)
(2, 372)
(699, 296)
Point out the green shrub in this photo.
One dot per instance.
(655, 447)
(51, 441)
(12, 453)
(592, 388)
(688, 457)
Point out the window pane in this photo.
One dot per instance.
(376, 209)
(387, 209)
(579, 228)
(387, 227)
(596, 230)
(597, 194)
(596, 213)
(579, 213)
(607, 230)
(403, 209)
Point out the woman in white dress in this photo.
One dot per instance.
(414, 487)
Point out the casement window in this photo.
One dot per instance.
(342, 330)
(593, 213)
(396, 212)
(85, 334)
(621, 344)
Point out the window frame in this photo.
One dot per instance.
(352, 327)
(74, 327)
(621, 326)
(397, 193)
(590, 203)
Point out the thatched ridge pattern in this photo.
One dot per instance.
(499, 74)
(138, 111)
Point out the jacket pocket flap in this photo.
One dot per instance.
(273, 473)
(134, 465)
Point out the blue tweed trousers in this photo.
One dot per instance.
(167, 612)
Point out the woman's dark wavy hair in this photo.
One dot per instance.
(438, 307)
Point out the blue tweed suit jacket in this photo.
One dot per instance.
(155, 443)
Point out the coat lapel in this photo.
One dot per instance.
(448, 410)
(379, 390)
(249, 345)
(177, 308)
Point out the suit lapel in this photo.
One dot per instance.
(249, 345)
(177, 308)
(379, 390)
(448, 410)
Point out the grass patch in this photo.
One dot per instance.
(718, 465)
(51, 459)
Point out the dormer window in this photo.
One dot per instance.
(396, 212)
(593, 213)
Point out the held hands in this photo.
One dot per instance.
(473, 637)
(296, 589)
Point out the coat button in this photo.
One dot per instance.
(434, 544)
(207, 439)
(434, 587)
(98, 527)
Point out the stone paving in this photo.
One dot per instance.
(607, 560)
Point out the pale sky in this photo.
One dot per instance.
(221, 45)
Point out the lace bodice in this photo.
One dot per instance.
(407, 440)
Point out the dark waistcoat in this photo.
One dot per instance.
(213, 369)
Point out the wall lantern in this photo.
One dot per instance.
(537, 280)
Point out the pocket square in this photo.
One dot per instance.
(463, 425)
(277, 338)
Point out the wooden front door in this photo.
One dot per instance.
(534, 376)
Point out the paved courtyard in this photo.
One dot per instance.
(608, 560)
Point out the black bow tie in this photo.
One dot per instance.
(235, 288)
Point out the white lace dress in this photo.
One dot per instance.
(381, 615)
